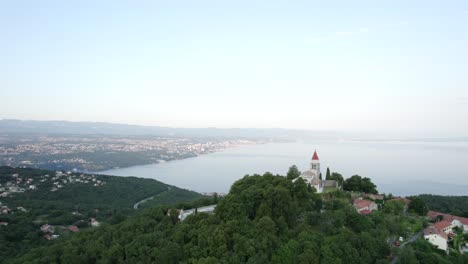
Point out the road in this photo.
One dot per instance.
(205, 209)
(411, 239)
(135, 206)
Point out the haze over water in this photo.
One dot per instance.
(400, 168)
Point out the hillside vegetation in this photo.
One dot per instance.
(108, 199)
(456, 205)
(263, 219)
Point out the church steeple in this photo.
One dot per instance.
(315, 156)
(315, 164)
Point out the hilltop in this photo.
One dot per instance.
(264, 219)
(32, 199)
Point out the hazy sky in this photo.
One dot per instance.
(383, 66)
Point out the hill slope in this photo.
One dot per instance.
(37, 197)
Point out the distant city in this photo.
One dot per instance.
(97, 153)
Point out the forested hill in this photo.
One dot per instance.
(263, 219)
(30, 198)
(456, 205)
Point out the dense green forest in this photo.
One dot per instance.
(263, 219)
(456, 205)
(73, 204)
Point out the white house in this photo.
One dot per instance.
(436, 237)
(444, 226)
(456, 221)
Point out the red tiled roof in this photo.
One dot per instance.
(447, 217)
(431, 230)
(365, 212)
(442, 224)
(73, 228)
(315, 156)
(358, 203)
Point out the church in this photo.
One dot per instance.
(312, 176)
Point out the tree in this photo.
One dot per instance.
(367, 186)
(328, 176)
(353, 183)
(337, 177)
(320, 176)
(358, 184)
(293, 173)
(418, 206)
(394, 207)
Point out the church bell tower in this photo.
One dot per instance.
(315, 164)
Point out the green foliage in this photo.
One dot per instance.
(456, 205)
(418, 206)
(358, 184)
(422, 251)
(328, 176)
(337, 177)
(73, 204)
(263, 219)
(293, 172)
(394, 207)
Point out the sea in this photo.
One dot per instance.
(399, 167)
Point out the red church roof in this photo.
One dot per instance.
(315, 156)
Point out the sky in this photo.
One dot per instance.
(375, 66)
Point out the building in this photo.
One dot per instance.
(312, 176)
(436, 237)
(456, 221)
(444, 226)
(47, 228)
(365, 206)
(73, 228)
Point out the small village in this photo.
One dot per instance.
(19, 184)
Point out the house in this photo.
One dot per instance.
(444, 226)
(4, 209)
(456, 221)
(73, 228)
(94, 222)
(47, 228)
(364, 206)
(51, 237)
(22, 209)
(3, 223)
(436, 237)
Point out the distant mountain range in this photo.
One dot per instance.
(15, 126)
(10, 126)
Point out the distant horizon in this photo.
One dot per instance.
(363, 134)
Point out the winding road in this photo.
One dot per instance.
(411, 239)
